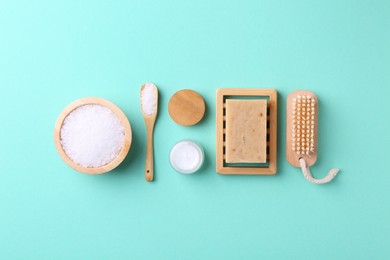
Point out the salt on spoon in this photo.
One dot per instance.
(149, 107)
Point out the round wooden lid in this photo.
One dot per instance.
(186, 107)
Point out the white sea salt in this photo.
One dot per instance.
(92, 135)
(149, 99)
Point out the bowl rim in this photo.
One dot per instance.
(122, 118)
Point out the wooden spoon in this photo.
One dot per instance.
(149, 107)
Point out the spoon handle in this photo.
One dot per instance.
(149, 173)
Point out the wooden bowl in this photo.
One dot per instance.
(122, 118)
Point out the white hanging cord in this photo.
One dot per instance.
(307, 174)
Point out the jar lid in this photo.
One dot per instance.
(186, 107)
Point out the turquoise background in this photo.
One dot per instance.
(53, 52)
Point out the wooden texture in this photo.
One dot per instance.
(226, 93)
(149, 123)
(117, 111)
(291, 156)
(186, 107)
(246, 136)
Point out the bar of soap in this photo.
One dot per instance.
(246, 131)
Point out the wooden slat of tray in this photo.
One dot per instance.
(271, 94)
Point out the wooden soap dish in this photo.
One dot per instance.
(267, 168)
(117, 111)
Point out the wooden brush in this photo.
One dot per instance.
(302, 133)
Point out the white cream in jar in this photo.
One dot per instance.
(186, 157)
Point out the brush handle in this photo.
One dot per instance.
(149, 172)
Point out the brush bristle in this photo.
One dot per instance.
(304, 110)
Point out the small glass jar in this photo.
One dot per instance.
(186, 156)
